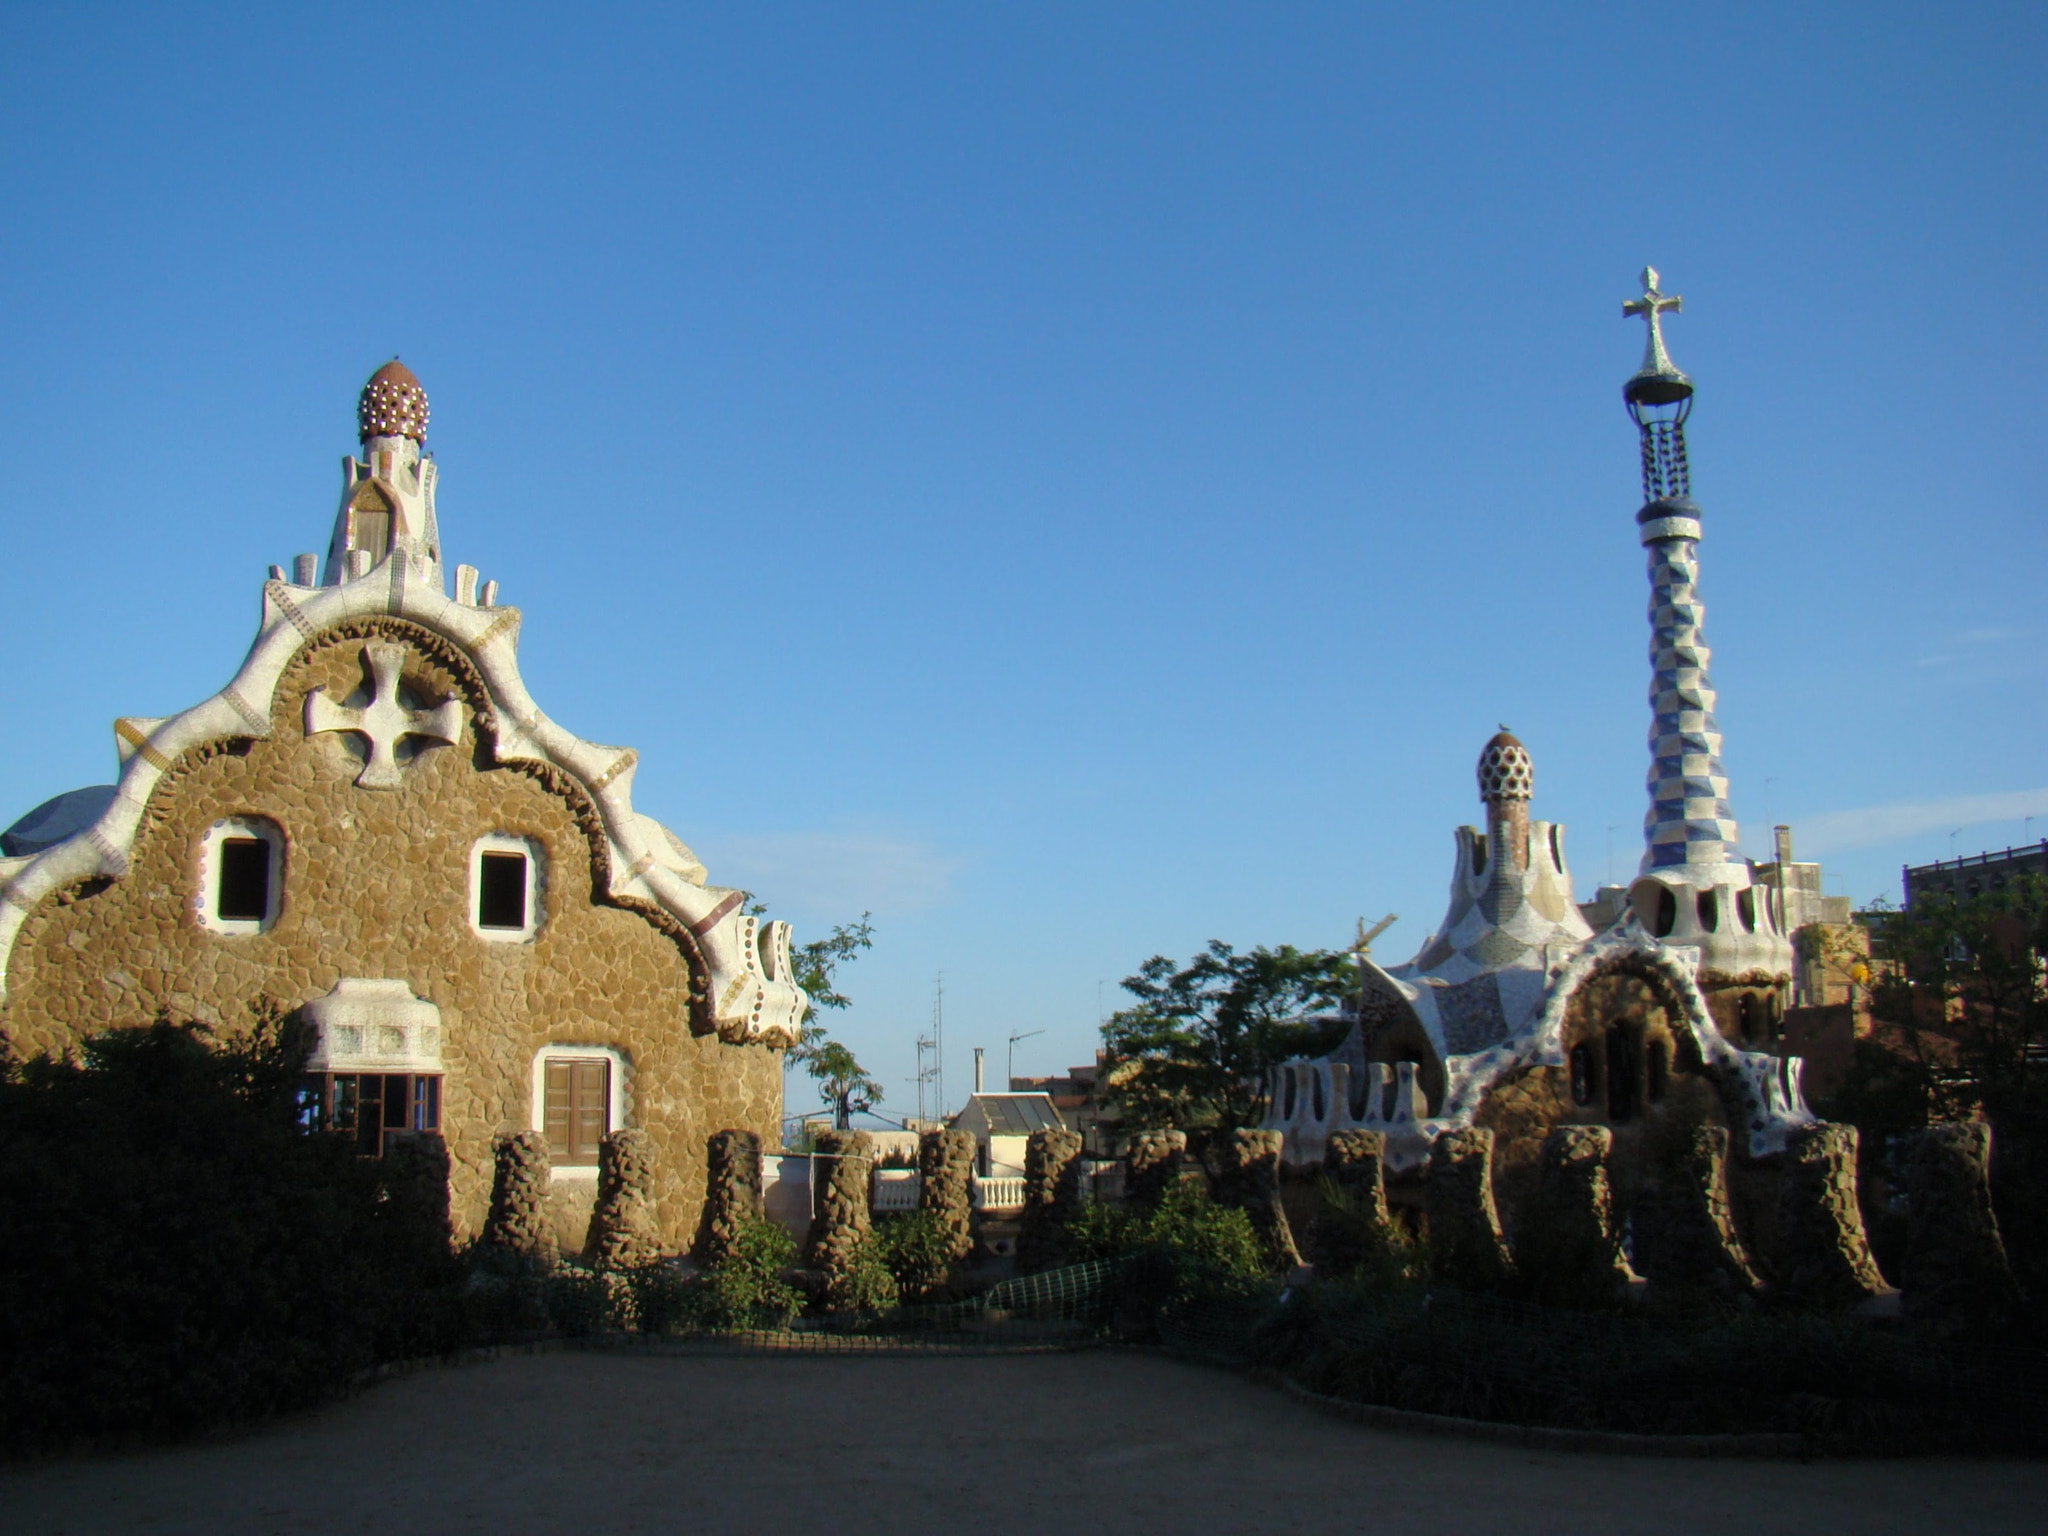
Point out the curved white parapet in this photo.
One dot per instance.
(751, 993)
(1312, 1100)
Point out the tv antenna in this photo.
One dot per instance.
(1010, 1061)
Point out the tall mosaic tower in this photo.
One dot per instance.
(1694, 886)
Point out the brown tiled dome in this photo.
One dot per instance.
(1505, 770)
(392, 405)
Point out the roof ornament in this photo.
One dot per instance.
(1659, 397)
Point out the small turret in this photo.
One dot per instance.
(387, 501)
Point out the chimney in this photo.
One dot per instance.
(977, 1069)
(1783, 834)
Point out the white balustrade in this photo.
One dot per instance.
(998, 1194)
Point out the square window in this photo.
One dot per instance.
(244, 892)
(501, 891)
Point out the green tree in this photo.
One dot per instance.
(843, 1084)
(1959, 1005)
(1194, 1049)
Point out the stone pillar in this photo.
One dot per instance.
(1826, 1256)
(733, 1195)
(1250, 1179)
(1052, 1198)
(1685, 1227)
(842, 1160)
(1569, 1250)
(1955, 1264)
(414, 1211)
(945, 1174)
(518, 1234)
(623, 1233)
(1465, 1242)
(1153, 1166)
(1356, 1161)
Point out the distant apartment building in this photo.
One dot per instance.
(1974, 874)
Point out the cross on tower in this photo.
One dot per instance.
(384, 721)
(1651, 306)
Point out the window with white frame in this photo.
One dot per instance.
(241, 875)
(506, 886)
(578, 1100)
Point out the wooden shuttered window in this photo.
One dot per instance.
(579, 1094)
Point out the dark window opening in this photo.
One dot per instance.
(1755, 1021)
(578, 1110)
(1583, 1086)
(1667, 912)
(1745, 909)
(1556, 847)
(1621, 1075)
(501, 891)
(1479, 855)
(1710, 911)
(1657, 1058)
(364, 1106)
(243, 895)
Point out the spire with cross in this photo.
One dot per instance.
(1659, 381)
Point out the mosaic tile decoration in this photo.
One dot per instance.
(1688, 821)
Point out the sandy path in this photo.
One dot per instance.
(588, 1443)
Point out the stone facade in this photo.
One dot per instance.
(945, 1169)
(1955, 1264)
(1685, 1222)
(1824, 1254)
(1052, 1198)
(1569, 1253)
(734, 1198)
(1155, 1164)
(377, 731)
(1466, 1245)
(1249, 1177)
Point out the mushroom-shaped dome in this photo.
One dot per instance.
(1505, 770)
(392, 405)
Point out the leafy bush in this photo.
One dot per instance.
(1186, 1223)
(863, 1284)
(745, 1289)
(178, 1252)
(917, 1250)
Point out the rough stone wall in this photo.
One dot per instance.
(1249, 1178)
(735, 1194)
(377, 884)
(1466, 1245)
(518, 1231)
(841, 1224)
(1570, 1252)
(945, 1171)
(1823, 1253)
(1955, 1264)
(1052, 1198)
(1685, 1228)
(1356, 1160)
(1153, 1166)
(623, 1231)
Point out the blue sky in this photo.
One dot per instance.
(1076, 481)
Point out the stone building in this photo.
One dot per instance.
(373, 823)
(1518, 1016)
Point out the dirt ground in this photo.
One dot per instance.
(1117, 1442)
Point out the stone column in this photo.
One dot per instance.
(733, 1197)
(1466, 1245)
(623, 1232)
(1955, 1264)
(1826, 1256)
(1356, 1160)
(1685, 1227)
(1153, 1166)
(1250, 1180)
(945, 1174)
(843, 1160)
(1570, 1250)
(518, 1234)
(1052, 1198)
